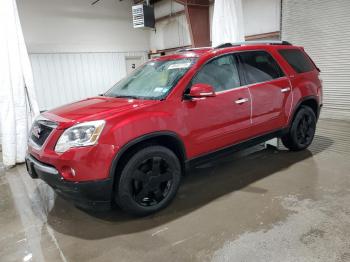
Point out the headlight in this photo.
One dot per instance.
(84, 134)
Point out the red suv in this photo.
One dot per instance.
(132, 145)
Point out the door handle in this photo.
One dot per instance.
(284, 90)
(241, 101)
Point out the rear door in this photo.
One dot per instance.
(216, 122)
(270, 90)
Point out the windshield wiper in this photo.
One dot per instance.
(132, 97)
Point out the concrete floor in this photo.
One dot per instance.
(257, 205)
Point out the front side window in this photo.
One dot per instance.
(259, 66)
(297, 60)
(221, 73)
(153, 80)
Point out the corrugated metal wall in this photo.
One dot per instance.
(323, 28)
(61, 78)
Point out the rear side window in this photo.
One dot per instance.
(259, 66)
(297, 60)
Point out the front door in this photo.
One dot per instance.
(216, 122)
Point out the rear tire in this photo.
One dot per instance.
(302, 130)
(149, 181)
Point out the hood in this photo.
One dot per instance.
(94, 108)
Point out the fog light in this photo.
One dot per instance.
(72, 171)
(68, 172)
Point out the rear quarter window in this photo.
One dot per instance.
(297, 60)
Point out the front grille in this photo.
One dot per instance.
(40, 131)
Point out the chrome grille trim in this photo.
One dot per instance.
(43, 122)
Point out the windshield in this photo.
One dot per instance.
(153, 80)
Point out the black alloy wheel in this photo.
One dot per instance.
(152, 181)
(305, 130)
(149, 181)
(302, 130)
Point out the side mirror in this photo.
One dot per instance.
(201, 90)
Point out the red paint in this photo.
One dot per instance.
(204, 124)
(201, 90)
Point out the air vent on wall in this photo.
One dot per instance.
(143, 16)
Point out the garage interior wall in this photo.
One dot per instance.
(171, 30)
(322, 28)
(260, 17)
(81, 48)
(61, 78)
(78, 49)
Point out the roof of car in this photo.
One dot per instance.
(198, 52)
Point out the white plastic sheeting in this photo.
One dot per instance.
(228, 22)
(18, 104)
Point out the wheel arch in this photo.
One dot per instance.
(167, 139)
(310, 101)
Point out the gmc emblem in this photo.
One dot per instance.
(36, 130)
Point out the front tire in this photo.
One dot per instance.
(149, 181)
(302, 130)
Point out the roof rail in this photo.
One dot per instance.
(190, 49)
(263, 42)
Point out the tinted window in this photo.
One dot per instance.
(297, 60)
(259, 66)
(221, 73)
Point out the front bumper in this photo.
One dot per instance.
(86, 194)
